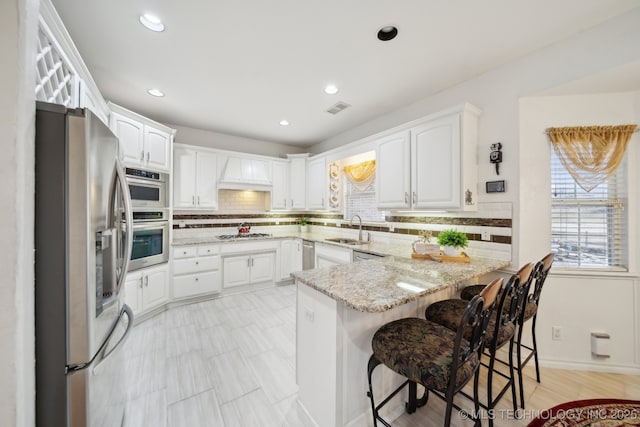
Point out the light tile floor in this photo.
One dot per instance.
(224, 362)
(231, 362)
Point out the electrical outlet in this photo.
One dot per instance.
(556, 333)
(486, 236)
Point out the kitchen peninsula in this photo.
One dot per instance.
(339, 308)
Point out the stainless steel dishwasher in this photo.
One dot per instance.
(308, 255)
(362, 256)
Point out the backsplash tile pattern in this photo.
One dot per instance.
(332, 220)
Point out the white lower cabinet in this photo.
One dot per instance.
(248, 263)
(248, 269)
(327, 255)
(196, 271)
(290, 257)
(146, 289)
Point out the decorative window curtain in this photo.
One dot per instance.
(591, 154)
(362, 174)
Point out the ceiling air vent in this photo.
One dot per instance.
(337, 107)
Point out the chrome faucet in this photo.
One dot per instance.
(360, 229)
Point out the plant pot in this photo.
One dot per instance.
(451, 251)
(304, 228)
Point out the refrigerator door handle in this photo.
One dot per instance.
(128, 217)
(103, 352)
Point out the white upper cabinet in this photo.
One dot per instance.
(393, 180)
(298, 181)
(317, 188)
(194, 179)
(143, 143)
(436, 164)
(431, 165)
(280, 185)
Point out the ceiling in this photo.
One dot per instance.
(239, 67)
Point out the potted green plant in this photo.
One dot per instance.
(302, 223)
(452, 241)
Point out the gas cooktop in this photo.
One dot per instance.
(242, 236)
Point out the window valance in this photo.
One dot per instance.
(591, 154)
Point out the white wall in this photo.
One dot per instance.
(204, 138)
(18, 20)
(579, 302)
(497, 93)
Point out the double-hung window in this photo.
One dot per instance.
(589, 229)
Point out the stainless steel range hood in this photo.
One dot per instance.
(246, 174)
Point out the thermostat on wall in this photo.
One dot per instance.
(495, 187)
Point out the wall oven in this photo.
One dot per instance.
(148, 189)
(150, 238)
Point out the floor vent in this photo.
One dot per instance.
(339, 106)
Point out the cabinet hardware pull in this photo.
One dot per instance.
(196, 262)
(414, 197)
(291, 203)
(251, 262)
(140, 282)
(184, 253)
(285, 203)
(248, 262)
(142, 155)
(147, 156)
(196, 279)
(193, 200)
(198, 200)
(323, 202)
(146, 281)
(406, 197)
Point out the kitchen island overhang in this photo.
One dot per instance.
(339, 308)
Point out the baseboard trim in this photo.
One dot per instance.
(584, 366)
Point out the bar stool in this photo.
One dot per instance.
(426, 353)
(500, 329)
(540, 272)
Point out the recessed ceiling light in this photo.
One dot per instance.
(387, 33)
(330, 89)
(152, 22)
(284, 123)
(156, 92)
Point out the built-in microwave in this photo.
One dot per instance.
(148, 189)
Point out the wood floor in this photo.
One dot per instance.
(231, 362)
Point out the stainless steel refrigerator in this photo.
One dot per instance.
(82, 250)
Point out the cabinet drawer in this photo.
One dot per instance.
(185, 252)
(207, 250)
(195, 284)
(194, 265)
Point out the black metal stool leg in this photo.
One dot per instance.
(535, 347)
(520, 374)
(373, 362)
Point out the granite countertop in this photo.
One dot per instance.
(379, 248)
(380, 284)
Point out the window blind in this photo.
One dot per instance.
(589, 229)
(362, 203)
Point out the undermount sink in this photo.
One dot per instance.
(345, 241)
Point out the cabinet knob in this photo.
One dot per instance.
(196, 279)
(184, 252)
(197, 262)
